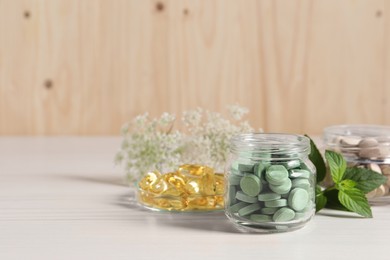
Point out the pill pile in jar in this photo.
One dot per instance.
(271, 191)
(189, 188)
(270, 182)
(366, 146)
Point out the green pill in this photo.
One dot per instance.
(283, 188)
(283, 214)
(276, 203)
(299, 215)
(276, 174)
(236, 207)
(246, 167)
(298, 199)
(232, 194)
(310, 206)
(240, 195)
(251, 185)
(279, 227)
(285, 196)
(234, 166)
(292, 164)
(303, 166)
(268, 211)
(268, 196)
(249, 209)
(236, 172)
(299, 174)
(259, 169)
(234, 179)
(260, 218)
(301, 183)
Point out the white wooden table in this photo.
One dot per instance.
(63, 198)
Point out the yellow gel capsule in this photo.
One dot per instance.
(207, 184)
(219, 183)
(220, 203)
(146, 198)
(162, 203)
(193, 186)
(159, 186)
(194, 169)
(177, 204)
(172, 191)
(148, 179)
(201, 202)
(175, 179)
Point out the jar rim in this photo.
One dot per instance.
(276, 143)
(357, 130)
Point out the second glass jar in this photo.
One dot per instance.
(270, 182)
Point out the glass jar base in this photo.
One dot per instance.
(246, 227)
(380, 201)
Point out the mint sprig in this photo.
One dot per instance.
(336, 164)
(316, 158)
(366, 180)
(350, 184)
(355, 200)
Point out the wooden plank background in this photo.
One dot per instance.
(86, 67)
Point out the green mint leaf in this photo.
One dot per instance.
(346, 184)
(355, 200)
(320, 199)
(367, 180)
(320, 202)
(316, 158)
(336, 164)
(333, 200)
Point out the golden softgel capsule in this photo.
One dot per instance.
(190, 188)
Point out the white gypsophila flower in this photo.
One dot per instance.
(125, 128)
(167, 119)
(141, 119)
(192, 117)
(237, 112)
(151, 144)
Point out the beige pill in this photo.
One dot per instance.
(384, 152)
(387, 191)
(381, 191)
(388, 181)
(350, 141)
(370, 153)
(337, 140)
(385, 169)
(368, 142)
(371, 194)
(375, 167)
(383, 139)
(350, 152)
(352, 164)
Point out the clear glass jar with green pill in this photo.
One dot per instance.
(270, 182)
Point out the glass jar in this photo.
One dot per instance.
(270, 182)
(365, 146)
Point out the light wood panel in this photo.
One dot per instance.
(86, 67)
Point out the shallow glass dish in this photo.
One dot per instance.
(191, 188)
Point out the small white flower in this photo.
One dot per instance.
(167, 119)
(192, 117)
(237, 112)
